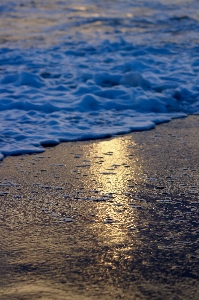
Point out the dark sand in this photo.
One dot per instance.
(104, 219)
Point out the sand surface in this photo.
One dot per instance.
(104, 219)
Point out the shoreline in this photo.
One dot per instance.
(103, 219)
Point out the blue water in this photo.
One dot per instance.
(73, 70)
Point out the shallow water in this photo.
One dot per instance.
(72, 70)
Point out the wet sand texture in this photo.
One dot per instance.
(103, 219)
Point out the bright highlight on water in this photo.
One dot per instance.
(73, 70)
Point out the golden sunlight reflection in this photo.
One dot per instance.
(115, 172)
(113, 165)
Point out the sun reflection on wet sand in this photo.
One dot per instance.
(114, 172)
(112, 166)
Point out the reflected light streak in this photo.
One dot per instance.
(114, 168)
(112, 165)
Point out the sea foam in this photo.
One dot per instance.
(95, 80)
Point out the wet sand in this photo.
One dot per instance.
(104, 219)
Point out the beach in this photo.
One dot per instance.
(99, 161)
(115, 218)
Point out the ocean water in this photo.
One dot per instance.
(74, 70)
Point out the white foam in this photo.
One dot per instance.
(121, 70)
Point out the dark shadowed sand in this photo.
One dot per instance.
(104, 219)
